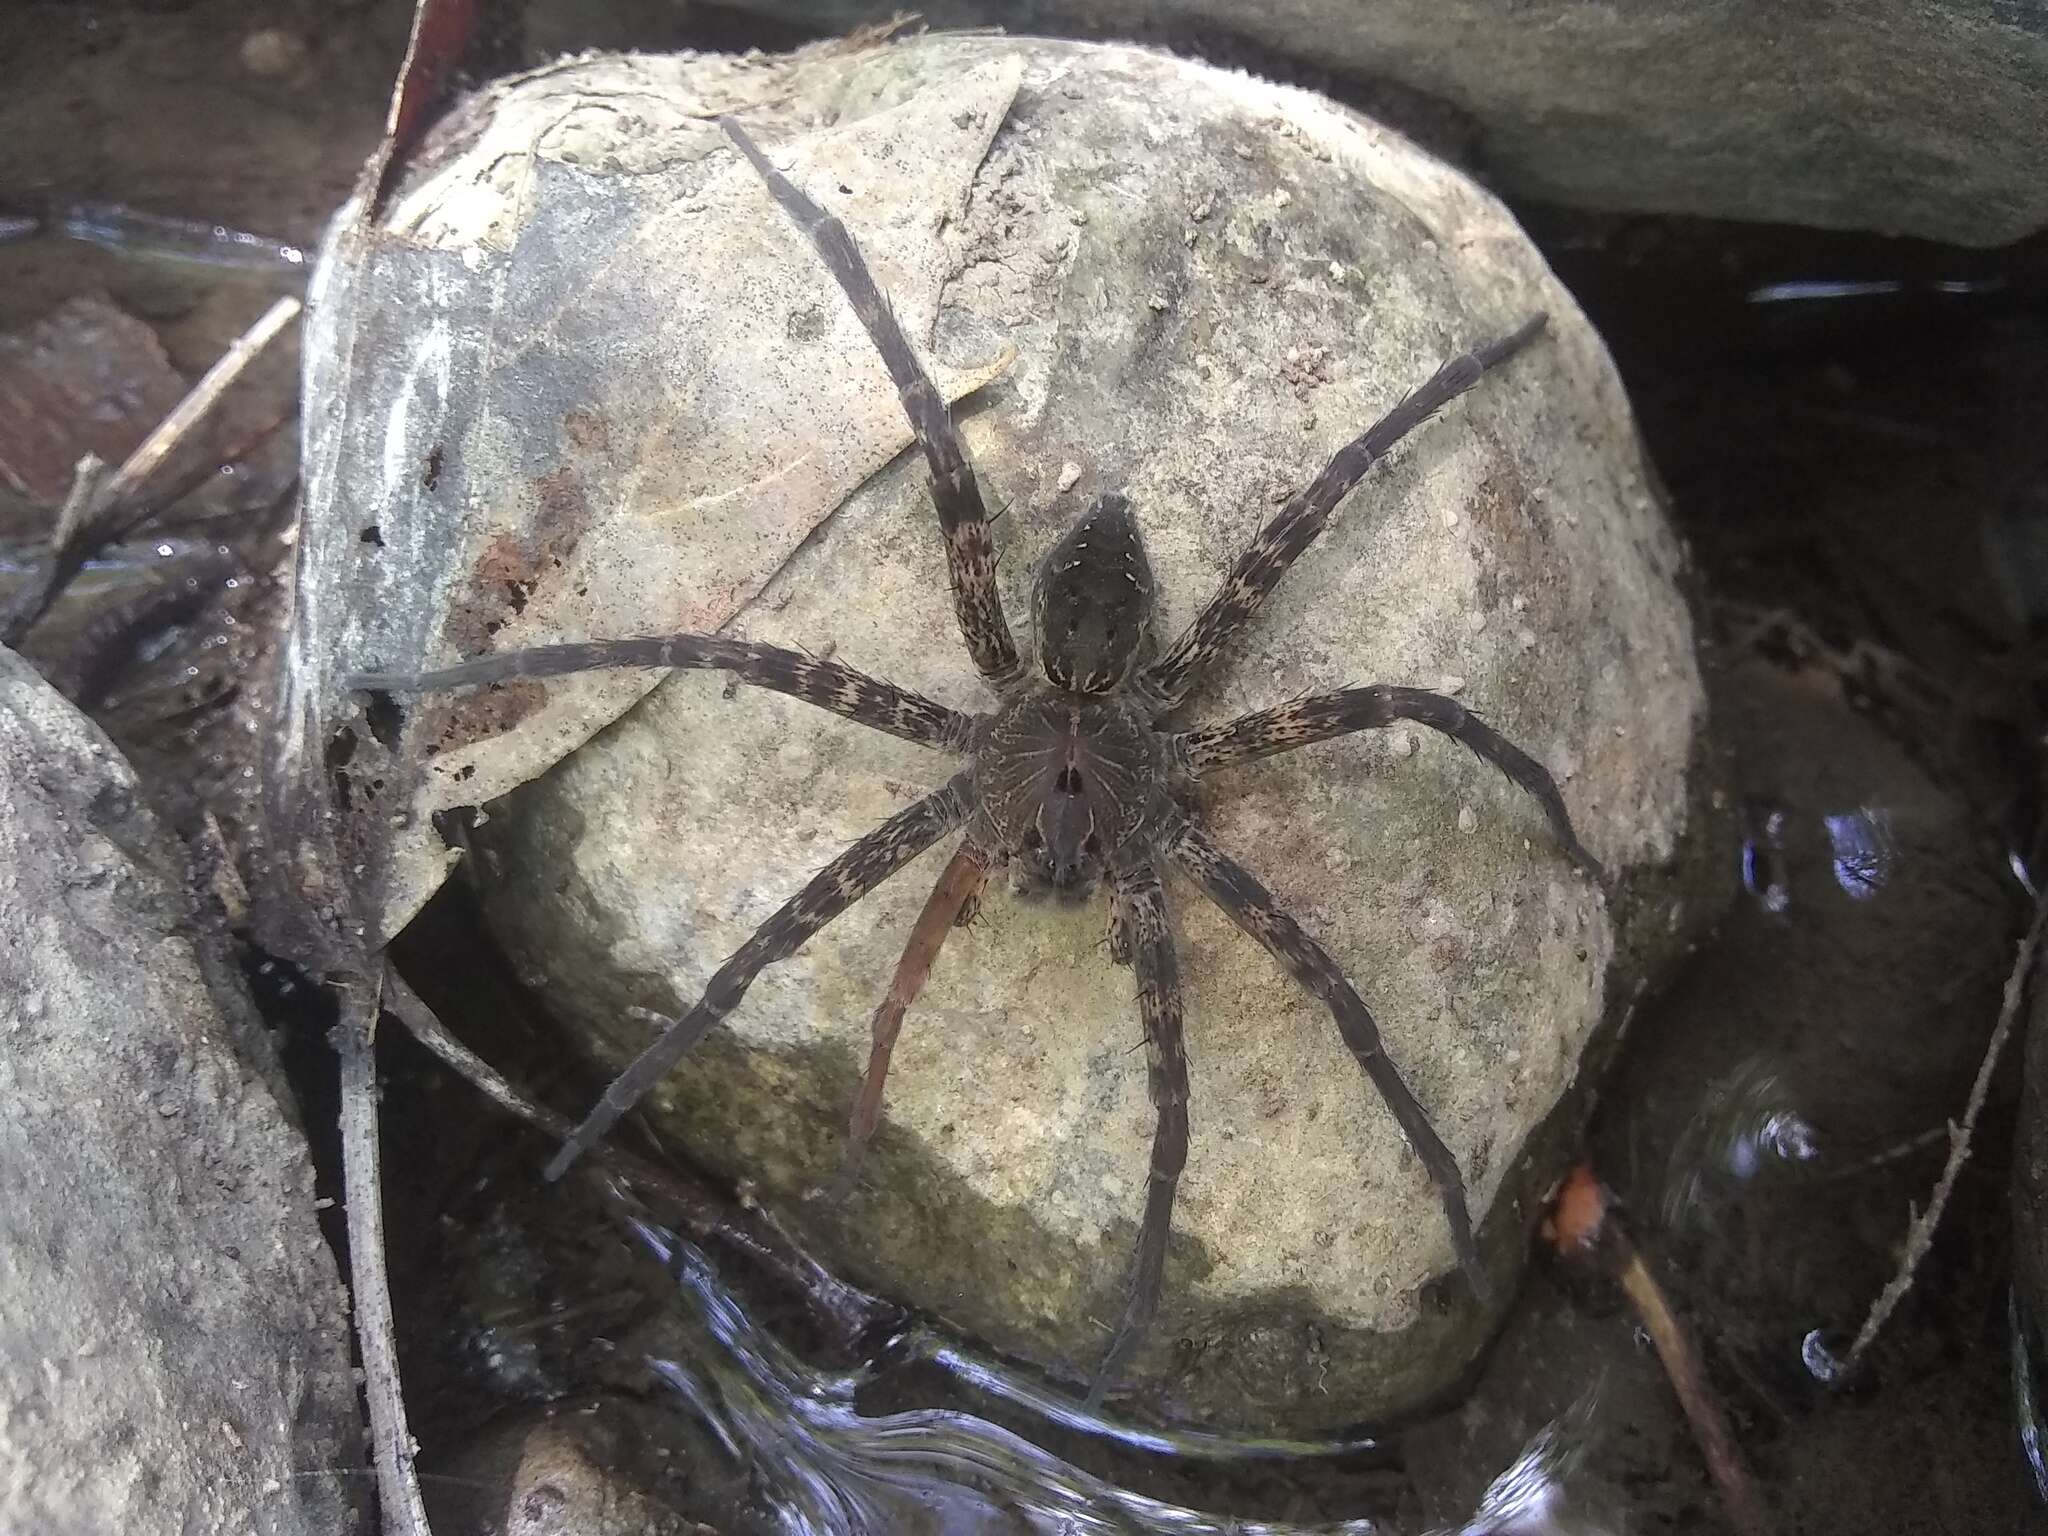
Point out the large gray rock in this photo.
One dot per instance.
(1199, 285)
(1898, 116)
(173, 1335)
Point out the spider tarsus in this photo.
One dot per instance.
(1492, 353)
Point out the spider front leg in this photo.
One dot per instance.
(958, 889)
(1324, 716)
(1253, 908)
(1141, 917)
(963, 518)
(830, 892)
(1295, 526)
(854, 695)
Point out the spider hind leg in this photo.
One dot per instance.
(1142, 899)
(1255, 910)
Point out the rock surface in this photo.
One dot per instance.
(1886, 115)
(173, 1334)
(1209, 283)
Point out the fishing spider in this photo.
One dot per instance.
(1071, 776)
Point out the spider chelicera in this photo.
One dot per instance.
(1071, 777)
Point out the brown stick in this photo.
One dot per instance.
(1702, 1409)
(963, 877)
(1581, 1219)
(1920, 1236)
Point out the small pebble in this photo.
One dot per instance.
(1521, 603)
(1452, 683)
(1468, 819)
(1158, 304)
(1450, 517)
(1070, 476)
(1477, 620)
(273, 53)
(1406, 744)
(1526, 639)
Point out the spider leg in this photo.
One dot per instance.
(826, 684)
(1253, 908)
(1324, 716)
(958, 886)
(1296, 525)
(829, 892)
(963, 518)
(1142, 900)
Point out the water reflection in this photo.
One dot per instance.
(1746, 1126)
(2026, 1395)
(1533, 1497)
(821, 1467)
(1863, 849)
(1763, 856)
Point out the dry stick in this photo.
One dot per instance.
(1702, 1410)
(114, 506)
(1920, 1236)
(42, 586)
(844, 1314)
(1580, 1219)
(962, 878)
(391, 1441)
(203, 396)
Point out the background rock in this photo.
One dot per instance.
(1885, 115)
(1209, 284)
(173, 1335)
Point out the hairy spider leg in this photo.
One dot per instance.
(1140, 906)
(854, 695)
(1325, 716)
(857, 871)
(963, 518)
(1296, 525)
(959, 886)
(1253, 908)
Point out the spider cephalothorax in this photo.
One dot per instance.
(1072, 779)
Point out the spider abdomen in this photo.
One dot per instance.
(1066, 781)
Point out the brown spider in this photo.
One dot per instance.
(1071, 775)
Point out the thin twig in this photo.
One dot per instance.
(392, 1446)
(200, 400)
(40, 590)
(1920, 1236)
(843, 1313)
(114, 506)
(1583, 1221)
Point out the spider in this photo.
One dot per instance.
(1071, 779)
